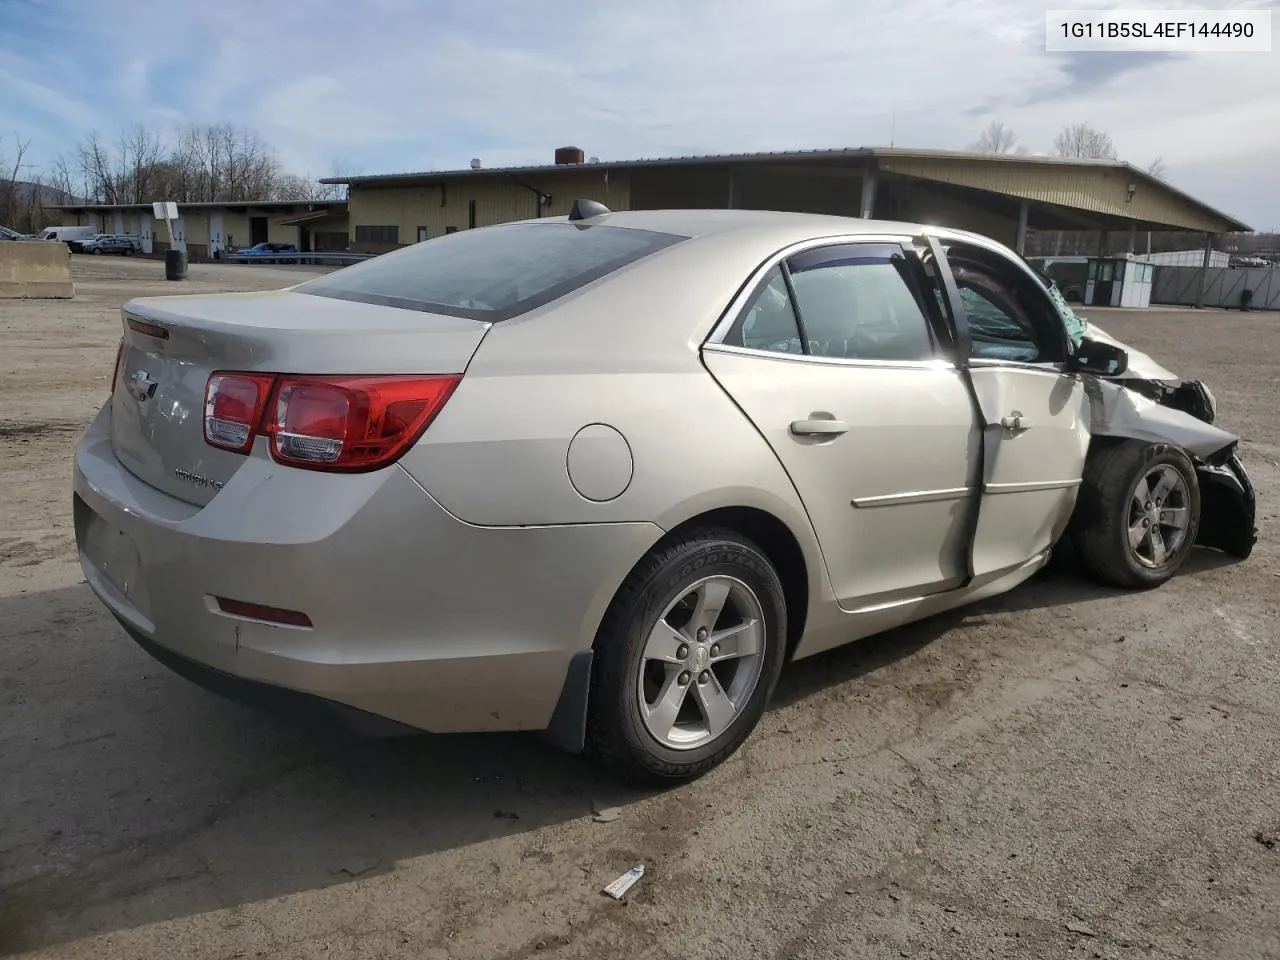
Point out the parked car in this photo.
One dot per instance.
(602, 476)
(267, 251)
(7, 234)
(68, 233)
(107, 243)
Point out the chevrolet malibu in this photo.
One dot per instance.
(602, 476)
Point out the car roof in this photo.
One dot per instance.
(706, 222)
(764, 228)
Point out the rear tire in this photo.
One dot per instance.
(686, 658)
(97, 252)
(1137, 514)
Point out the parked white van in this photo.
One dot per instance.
(66, 234)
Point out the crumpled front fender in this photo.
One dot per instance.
(1116, 411)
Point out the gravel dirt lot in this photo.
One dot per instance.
(1067, 771)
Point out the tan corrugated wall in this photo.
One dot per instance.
(498, 200)
(1100, 190)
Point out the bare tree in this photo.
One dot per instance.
(98, 168)
(32, 212)
(997, 138)
(9, 186)
(290, 186)
(1080, 141)
(342, 168)
(1157, 169)
(62, 183)
(140, 153)
(218, 162)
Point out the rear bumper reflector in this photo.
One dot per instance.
(257, 611)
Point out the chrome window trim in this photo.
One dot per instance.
(941, 234)
(736, 305)
(938, 363)
(1046, 367)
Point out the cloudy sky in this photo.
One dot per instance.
(380, 86)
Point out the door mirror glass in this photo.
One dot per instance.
(1097, 357)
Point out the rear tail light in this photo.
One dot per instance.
(345, 423)
(233, 405)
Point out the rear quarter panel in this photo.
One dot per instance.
(624, 352)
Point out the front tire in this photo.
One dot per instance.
(1137, 515)
(686, 658)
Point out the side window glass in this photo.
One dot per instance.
(859, 307)
(769, 320)
(999, 326)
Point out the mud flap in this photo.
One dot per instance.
(568, 727)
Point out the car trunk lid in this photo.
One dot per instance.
(172, 344)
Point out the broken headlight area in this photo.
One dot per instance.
(1190, 396)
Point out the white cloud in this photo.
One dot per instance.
(133, 79)
(19, 83)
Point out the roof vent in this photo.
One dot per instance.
(585, 209)
(475, 163)
(570, 155)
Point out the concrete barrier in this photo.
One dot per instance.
(35, 269)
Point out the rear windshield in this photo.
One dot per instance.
(493, 273)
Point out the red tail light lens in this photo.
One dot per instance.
(233, 406)
(351, 423)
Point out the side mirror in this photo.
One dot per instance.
(1099, 358)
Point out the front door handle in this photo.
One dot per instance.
(819, 427)
(1015, 422)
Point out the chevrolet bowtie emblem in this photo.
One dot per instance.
(142, 386)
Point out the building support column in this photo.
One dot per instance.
(1203, 276)
(867, 207)
(1021, 243)
(1103, 237)
(735, 190)
(1133, 238)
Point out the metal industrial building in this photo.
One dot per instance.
(205, 230)
(1002, 196)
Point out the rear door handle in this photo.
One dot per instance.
(1015, 422)
(820, 427)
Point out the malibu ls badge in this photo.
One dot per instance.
(198, 480)
(142, 386)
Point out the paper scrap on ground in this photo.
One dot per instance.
(619, 887)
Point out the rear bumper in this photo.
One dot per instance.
(416, 616)
(292, 704)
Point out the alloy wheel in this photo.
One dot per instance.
(1159, 516)
(701, 662)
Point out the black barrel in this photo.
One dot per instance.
(175, 264)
